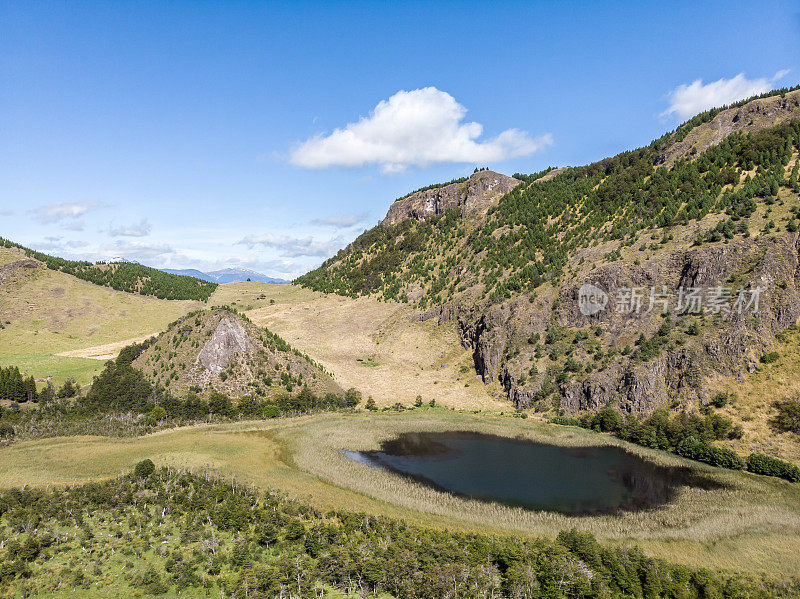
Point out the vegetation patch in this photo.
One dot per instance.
(159, 531)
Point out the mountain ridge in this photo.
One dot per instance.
(672, 214)
(226, 275)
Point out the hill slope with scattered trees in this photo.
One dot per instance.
(125, 276)
(157, 531)
(221, 350)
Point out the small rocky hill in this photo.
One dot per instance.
(222, 351)
(472, 198)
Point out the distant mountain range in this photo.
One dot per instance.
(226, 275)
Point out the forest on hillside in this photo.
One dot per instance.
(529, 236)
(125, 276)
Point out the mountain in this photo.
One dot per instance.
(220, 350)
(227, 275)
(556, 280)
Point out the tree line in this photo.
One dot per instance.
(689, 436)
(125, 276)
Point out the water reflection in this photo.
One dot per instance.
(517, 472)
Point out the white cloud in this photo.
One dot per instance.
(140, 229)
(689, 99)
(413, 128)
(6, 212)
(56, 244)
(345, 221)
(69, 212)
(293, 247)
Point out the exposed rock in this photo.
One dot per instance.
(7, 270)
(731, 346)
(219, 350)
(228, 339)
(472, 198)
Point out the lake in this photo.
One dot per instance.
(536, 476)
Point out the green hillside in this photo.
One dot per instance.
(530, 236)
(126, 276)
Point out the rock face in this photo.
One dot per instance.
(7, 270)
(731, 344)
(472, 198)
(228, 339)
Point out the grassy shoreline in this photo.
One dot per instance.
(751, 526)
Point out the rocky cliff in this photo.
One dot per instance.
(696, 345)
(472, 198)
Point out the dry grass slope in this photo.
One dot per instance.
(368, 344)
(51, 313)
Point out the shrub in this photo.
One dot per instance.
(720, 400)
(219, 404)
(144, 469)
(788, 416)
(156, 415)
(770, 357)
(695, 449)
(6, 430)
(609, 420)
(759, 463)
(270, 411)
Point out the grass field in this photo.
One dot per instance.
(753, 524)
(51, 313)
(370, 345)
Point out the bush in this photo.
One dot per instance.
(788, 416)
(609, 420)
(6, 430)
(144, 469)
(270, 411)
(156, 415)
(770, 357)
(220, 404)
(720, 400)
(759, 463)
(694, 449)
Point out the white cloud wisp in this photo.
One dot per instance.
(292, 247)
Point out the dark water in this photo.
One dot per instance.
(515, 472)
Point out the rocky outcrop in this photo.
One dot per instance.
(731, 344)
(218, 350)
(472, 198)
(229, 339)
(7, 270)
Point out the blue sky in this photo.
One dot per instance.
(268, 135)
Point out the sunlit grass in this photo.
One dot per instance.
(753, 524)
